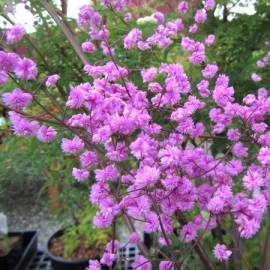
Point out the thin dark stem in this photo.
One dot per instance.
(197, 246)
(114, 61)
(33, 117)
(132, 229)
(29, 40)
(114, 235)
(119, 17)
(64, 6)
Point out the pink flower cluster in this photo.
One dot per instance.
(162, 37)
(221, 252)
(148, 148)
(118, 5)
(261, 64)
(15, 34)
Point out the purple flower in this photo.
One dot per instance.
(259, 127)
(209, 71)
(108, 259)
(102, 134)
(264, 156)
(188, 44)
(198, 53)
(171, 181)
(102, 34)
(94, 265)
(46, 134)
(147, 176)
(200, 16)
(179, 24)
(113, 246)
(203, 88)
(80, 174)
(233, 134)
(149, 74)
(141, 263)
(165, 265)
(88, 158)
(117, 4)
(216, 205)
(134, 238)
(85, 15)
(188, 232)
(248, 213)
(222, 80)
(163, 242)
(255, 77)
(76, 97)
(15, 34)
(117, 153)
(223, 94)
(167, 223)
(143, 146)
(254, 178)
(143, 46)
(183, 7)
(209, 40)
(17, 99)
(239, 150)
(102, 220)
(8, 61)
(159, 16)
(72, 146)
(193, 28)
(88, 47)
(128, 17)
(52, 80)
(3, 77)
(96, 20)
(151, 222)
(221, 252)
(26, 69)
(22, 126)
(109, 173)
(209, 4)
(234, 167)
(260, 64)
(132, 38)
(155, 87)
(108, 51)
(220, 199)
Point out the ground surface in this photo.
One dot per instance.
(26, 211)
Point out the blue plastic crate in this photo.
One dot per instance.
(40, 261)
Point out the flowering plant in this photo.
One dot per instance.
(150, 145)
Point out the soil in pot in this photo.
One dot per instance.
(79, 256)
(82, 252)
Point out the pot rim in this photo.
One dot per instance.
(61, 259)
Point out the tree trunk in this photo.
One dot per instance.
(64, 6)
(267, 246)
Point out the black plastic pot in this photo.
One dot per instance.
(61, 263)
(21, 253)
